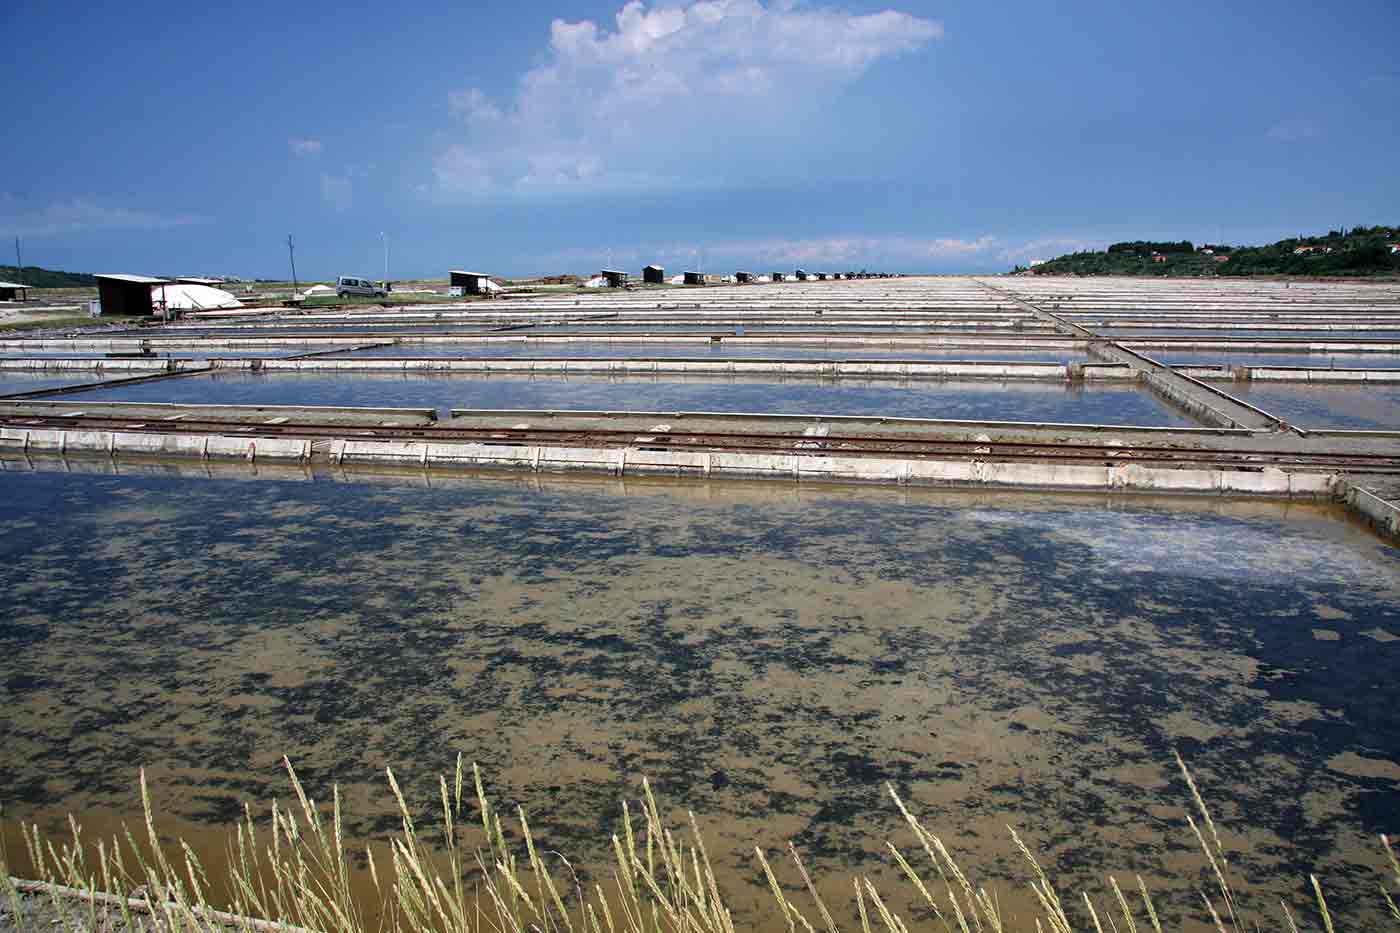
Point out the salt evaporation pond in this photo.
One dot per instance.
(770, 656)
(700, 351)
(1373, 407)
(14, 381)
(215, 353)
(976, 400)
(1306, 360)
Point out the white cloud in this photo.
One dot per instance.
(827, 254)
(895, 252)
(304, 148)
(1295, 130)
(79, 214)
(675, 94)
(337, 191)
(1047, 248)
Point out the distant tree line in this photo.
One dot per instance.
(1148, 246)
(1358, 251)
(46, 278)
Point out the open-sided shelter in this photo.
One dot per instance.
(127, 295)
(470, 283)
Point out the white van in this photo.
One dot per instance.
(354, 285)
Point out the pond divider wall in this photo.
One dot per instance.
(318, 361)
(618, 461)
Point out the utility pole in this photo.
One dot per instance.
(291, 254)
(19, 263)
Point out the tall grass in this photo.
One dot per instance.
(295, 873)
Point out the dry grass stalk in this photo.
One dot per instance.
(294, 876)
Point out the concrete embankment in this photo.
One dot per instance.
(642, 459)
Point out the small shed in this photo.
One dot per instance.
(779, 276)
(801, 275)
(743, 277)
(470, 283)
(654, 275)
(616, 277)
(694, 278)
(821, 276)
(127, 295)
(13, 291)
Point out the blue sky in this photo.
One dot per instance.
(523, 138)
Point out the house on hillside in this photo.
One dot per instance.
(1158, 257)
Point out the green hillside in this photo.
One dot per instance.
(1359, 251)
(46, 278)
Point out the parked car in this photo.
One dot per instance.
(354, 285)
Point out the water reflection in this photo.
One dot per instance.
(13, 381)
(971, 399)
(1349, 407)
(721, 351)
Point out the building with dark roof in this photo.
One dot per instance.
(13, 291)
(127, 295)
(616, 278)
(654, 275)
(471, 283)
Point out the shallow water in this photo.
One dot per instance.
(219, 353)
(771, 656)
(1373, 333)
(20, 381)
(594, 327)
(1352, 407)
(1310, 360)
(975, 400)
(624, 351)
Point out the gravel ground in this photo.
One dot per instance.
(37, 913)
